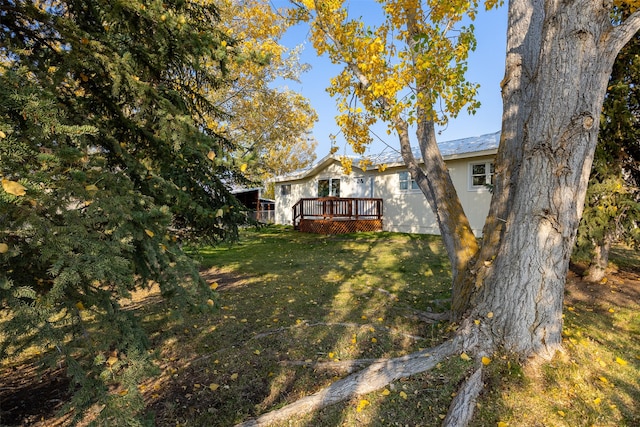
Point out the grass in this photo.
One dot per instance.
(291, 306)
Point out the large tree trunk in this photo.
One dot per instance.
(559, 59)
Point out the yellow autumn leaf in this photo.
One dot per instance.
(502, 424)
(214, 286)
(621, 362)
(13, 188)
(4, 248)
(123, 392)
(403, 395)
(331, 355)
(485, 360)
(2, 135)
(234, 376)
(112, 360)
(213, 386)
(243, 167)
(561, 413)
(210, 302)
(149, 233)
(477, 321)
(597, 401)
(362, 404)
(91, 187)
(211, 155)
(490, 315)
(611, 310)
(386, 392)
(257, 352)
(465, 356)
(374, 340)
(79, 305)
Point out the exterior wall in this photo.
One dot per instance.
(405, 211)
(358, 184)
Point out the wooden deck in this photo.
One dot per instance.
(337, 215)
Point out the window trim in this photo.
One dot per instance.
(412, 185)
(488, 174)
(285, 190)
(330, 182)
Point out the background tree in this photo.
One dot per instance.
(107, 163)
(270, 125)
(612, 209)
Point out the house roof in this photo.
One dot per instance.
(455, 149)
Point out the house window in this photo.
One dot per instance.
(406, 182)
(285, 189)
(481, 175)
(329, 187)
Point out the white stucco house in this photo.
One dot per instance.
(405, 209)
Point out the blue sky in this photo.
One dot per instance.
(486, 67)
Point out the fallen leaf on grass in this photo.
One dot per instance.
(362, 404)
(485, 360)
(386, 392)
(213, 386)
(621, 362)
(465, 356)
(234, 376)
(403, 395)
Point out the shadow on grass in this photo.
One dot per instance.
(292, 307)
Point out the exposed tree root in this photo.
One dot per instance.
(374, 377)
(426, 316)
(347, 366)
(462, 406)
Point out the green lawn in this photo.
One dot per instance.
(293, 309)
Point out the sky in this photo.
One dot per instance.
(485, 66)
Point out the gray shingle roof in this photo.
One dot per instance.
(456, 147)
(474, 144)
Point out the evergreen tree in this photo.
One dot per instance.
(107, 164)
(612, 207)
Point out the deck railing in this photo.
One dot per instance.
(338, 208)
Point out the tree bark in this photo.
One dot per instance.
(600, 260)
(559, 59)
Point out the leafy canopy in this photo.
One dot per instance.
(408, 67)
(108, 163)
(270, 125)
